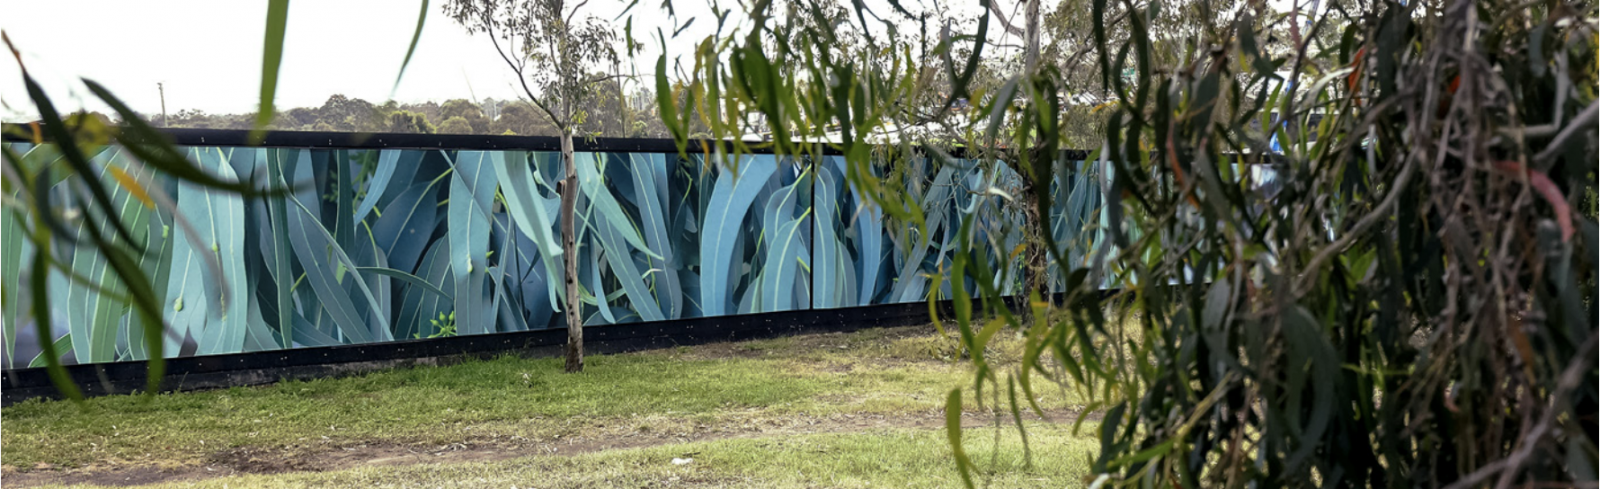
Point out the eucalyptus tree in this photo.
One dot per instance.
(1400, 294)
(552, 51)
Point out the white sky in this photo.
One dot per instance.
(208, 53)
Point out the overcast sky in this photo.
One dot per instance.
(208, 53)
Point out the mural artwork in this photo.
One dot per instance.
(387, 245)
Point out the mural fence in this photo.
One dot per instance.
(378, 245)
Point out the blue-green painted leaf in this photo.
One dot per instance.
(529, 209)
(194, 299)
(595, 286)
(320, 257)
(368, 256)
(825, 272)
(912, 284)
(468, 228)
(308, 334)
(506, 309)
(731, 197)
(388, 160)
(259, 336)
(784, 246)
(778, 277)
(407, 225)
(626, 271)
(275, 248)
(94, 318)
(225, 334)
(417, 306)
(649, 173)
(62, 346)
(409, 279)
(13, 247)
(591, 180)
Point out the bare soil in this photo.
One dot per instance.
(254, 460)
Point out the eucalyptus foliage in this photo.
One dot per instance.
(1343, 238)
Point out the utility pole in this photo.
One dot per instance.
(163, 90)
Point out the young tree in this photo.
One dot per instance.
(552, 51)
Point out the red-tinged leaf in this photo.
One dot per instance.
(1547, 189)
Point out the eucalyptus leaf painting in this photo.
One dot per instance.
(394, 244)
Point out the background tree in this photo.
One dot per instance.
(455, 125)
(468, 112)
(552, 53)
(405, 121)
(523, 119)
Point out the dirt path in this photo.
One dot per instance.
(252, 460)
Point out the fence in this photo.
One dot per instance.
(421, 240)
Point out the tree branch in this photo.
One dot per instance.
(599, 79)
(523, 79)
(1378, 214)
(1509, 466)
(1584, 119)
(1003, 20)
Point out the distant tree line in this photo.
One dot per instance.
(610, 113)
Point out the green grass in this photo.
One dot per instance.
(704, 392)
(883, 458)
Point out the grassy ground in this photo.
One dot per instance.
(789, 412)
(888, 458)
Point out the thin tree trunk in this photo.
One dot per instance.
(1038, 266)
(569, 247)
(1032, 33)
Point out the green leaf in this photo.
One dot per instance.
(666, 105)
(422, 18)
(997, 111)
(154, 148)
(952, 430)
(39, 290)
(57, 129)
(62, 344)
(144, 300)
(271, 59)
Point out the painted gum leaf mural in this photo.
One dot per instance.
(385, 245)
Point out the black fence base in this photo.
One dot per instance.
(257, 368)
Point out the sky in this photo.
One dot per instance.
(207, 54)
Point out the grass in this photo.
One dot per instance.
(723, 394)
(885, 458)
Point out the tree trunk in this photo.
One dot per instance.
(1032, 33)
(1038, 266)
(569, 248)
